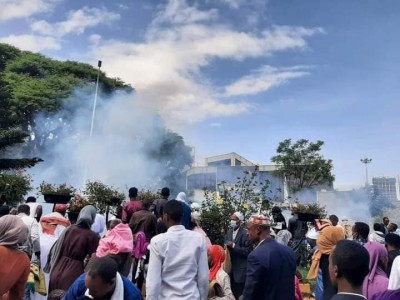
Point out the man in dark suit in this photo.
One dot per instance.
(271, 267)
(239, 248)
(348, 266)
(384, 225)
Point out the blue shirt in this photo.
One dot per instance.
(78, 289)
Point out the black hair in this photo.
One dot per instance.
(165, 192)
(393, 240)
(394, 225)
(30, 199)
(352, 261)
(4, 210)
(385, 218)
(377, 227)
(362, 229)
(276, 210)
(133, 192)
(174, 210)
(23, 208)
(104, 267)
(334, 218)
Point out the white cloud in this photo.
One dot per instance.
(166, 67)
(234, 3)
(14, 9)
(32, 42)
(77, 21)
(215, 124)
(263, 79)
(178, 12)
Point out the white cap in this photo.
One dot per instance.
(239, 215)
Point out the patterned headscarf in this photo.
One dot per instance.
(259, 220)
(217, 254)
(13, 231)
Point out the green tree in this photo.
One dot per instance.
(247, 196)
(303, 164)
(39, 84)
(11, 134)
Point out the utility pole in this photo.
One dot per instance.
(366, 161)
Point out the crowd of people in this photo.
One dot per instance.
(159, 250)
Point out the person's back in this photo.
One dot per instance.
(15, 264)
(132, 206)
(32, 245)
(178, 266)
(143, 220)
(279, 265)
(271, 267)
(36, 209)
(296, 228)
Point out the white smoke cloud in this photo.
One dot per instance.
(117, 153)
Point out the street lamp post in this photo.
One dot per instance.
(93, 117)
(366, 161)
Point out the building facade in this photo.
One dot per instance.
(227, 169)
(386, 187)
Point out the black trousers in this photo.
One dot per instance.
(237, 288)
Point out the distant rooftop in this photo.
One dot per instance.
(234, 160)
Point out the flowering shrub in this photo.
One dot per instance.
(101, 194)
(56, 189)
(312, 209)
(77, 203)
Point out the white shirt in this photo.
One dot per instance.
(178, 266)
(394, 279)
(33, 207)
(234, 233)
(33, 227)
(99, 225)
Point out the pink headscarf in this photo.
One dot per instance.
(376, 281)
(117, 240)
(49, 222)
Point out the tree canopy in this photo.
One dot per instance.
(10, 133)
(302, 164)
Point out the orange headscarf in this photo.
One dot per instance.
(217, 254)
(328, 238)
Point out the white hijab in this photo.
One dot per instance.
(181, 197)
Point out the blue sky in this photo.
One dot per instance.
(239, 75)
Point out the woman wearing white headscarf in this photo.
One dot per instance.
(68, 254)
(15, 264)
(186, 218)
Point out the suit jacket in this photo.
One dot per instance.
(271, 270)
(239, 254)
